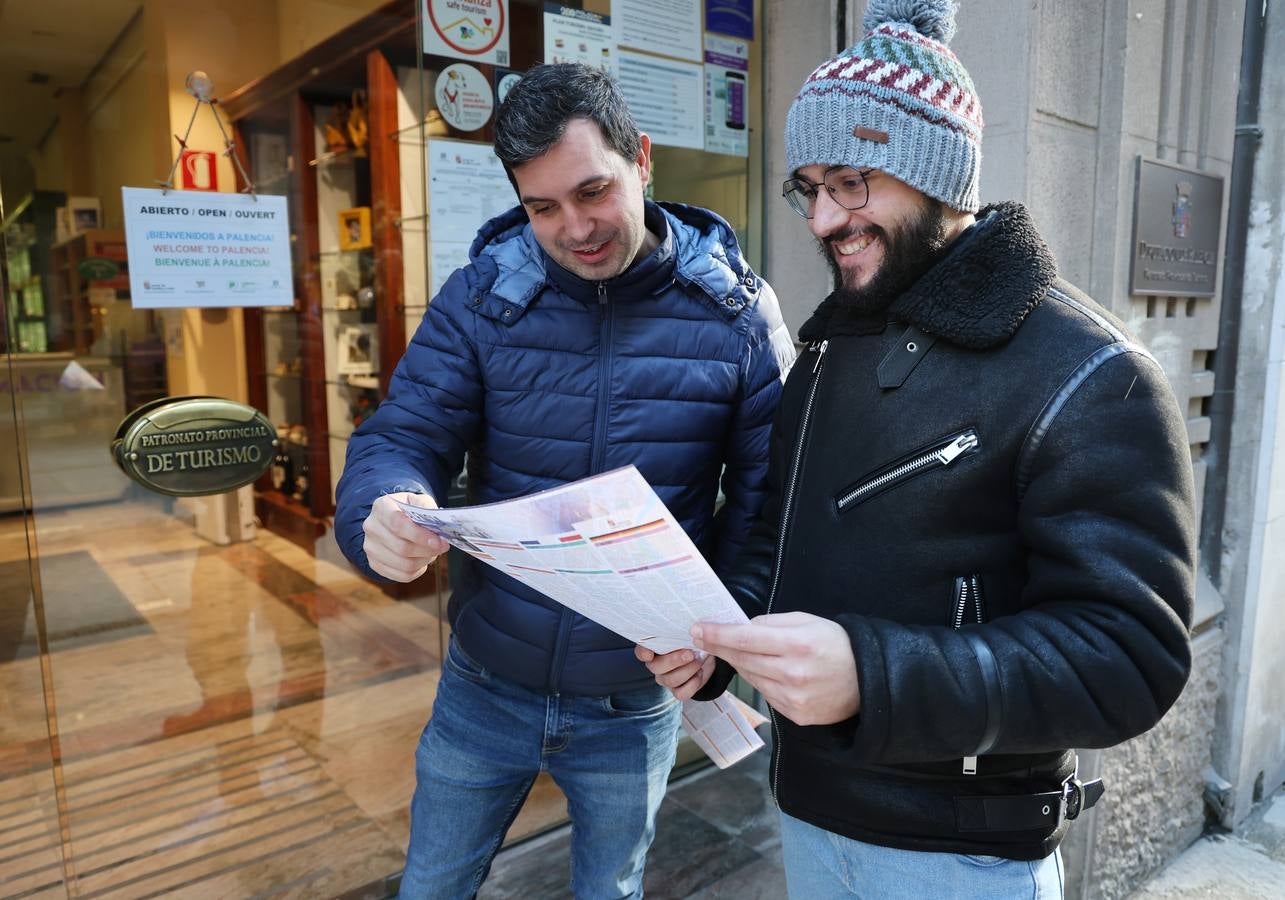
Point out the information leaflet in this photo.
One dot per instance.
(608, 548)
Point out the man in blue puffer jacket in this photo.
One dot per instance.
(591, 330)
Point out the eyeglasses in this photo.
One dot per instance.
(847, 187)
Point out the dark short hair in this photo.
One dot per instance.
(535, 113)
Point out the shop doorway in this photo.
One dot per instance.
(200, 696)
(190, 702)
(182, 714)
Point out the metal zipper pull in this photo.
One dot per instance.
(825, 345)
(946, 455)
(602, 296)
(967, 585)
(961, 604)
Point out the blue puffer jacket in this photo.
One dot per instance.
(674, 366)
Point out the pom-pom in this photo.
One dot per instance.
(932, 18)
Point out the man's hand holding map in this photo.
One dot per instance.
(607, 548)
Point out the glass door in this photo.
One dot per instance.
(31, 853)
(199, 696)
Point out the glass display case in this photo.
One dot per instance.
(342, 131)
(323, 131)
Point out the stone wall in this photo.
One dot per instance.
(1153, 807)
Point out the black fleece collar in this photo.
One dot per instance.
(977, 295)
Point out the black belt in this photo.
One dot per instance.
(1025, 812)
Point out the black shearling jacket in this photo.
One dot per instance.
(992, 494)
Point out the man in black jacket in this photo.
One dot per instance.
(978, 550)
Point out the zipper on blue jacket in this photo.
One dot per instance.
(561, 643)
(966, 589)
(597, 461)
(942, 456)
(606, 313)
(787, 507)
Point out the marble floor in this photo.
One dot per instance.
(240, 721)
(209, 721)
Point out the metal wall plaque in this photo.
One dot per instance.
(1177, 231)
(191, 446)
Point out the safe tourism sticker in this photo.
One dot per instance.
(467, 29)
(464, 97)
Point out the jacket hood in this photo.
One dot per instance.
(977, 295)
(698, 247)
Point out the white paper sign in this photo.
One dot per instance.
(466, 187)
(447, 256)
(464, 97)
(476, 30)
(671, 27)
(578, 36)
(726, 96)
(196, 248)
(666, 98)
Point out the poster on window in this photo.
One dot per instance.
(666, 98)
(668, 27)
(194, 248)
(447, 256)
(474, 30)
(578, 36)
(466, 187)
(727, 69)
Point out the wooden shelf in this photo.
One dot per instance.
(288, 518)
(74, 327)
(284, 110)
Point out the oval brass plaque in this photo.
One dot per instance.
(191, 446)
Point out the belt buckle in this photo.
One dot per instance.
(1072, 796)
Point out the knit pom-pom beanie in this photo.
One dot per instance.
(898, 101)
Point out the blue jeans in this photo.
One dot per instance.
(820, 865)
(482, 749)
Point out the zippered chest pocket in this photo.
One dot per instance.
(940, 454)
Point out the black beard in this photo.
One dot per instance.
(908, 252)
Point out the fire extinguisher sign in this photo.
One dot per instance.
(476, 30)
(198, 170)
